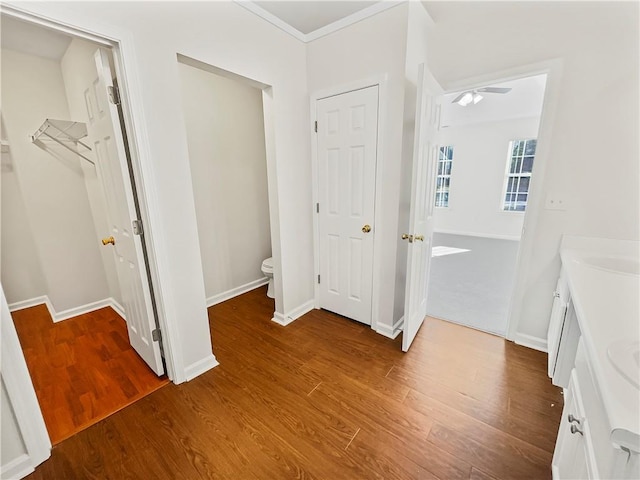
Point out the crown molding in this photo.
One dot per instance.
(272, 19)
(320, 32)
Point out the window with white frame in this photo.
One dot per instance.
(443, 180)
(519, 167)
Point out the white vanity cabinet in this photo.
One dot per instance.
(599, 434)
(584, 449)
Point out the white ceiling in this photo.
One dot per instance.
(307, 17)
(305, 20)
(524, 100)
(32, 39)
(312, 19)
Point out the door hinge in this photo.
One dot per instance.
(137, 227)
(316, 126)
(114, 95)
(317, 208)
(155, 335)
(318, 278)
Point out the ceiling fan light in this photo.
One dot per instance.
(477, 97)
(466, 99)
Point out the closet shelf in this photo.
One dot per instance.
(63, 132)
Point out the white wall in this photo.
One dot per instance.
(225, 134)
(373, 47)
(56, 207)
(19, 258)
(11, 444)
(78, 71)
(480, 155)
(600, 66)
(594, 144)
(229, 37)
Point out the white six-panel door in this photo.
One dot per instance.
(425, 159)
(108, 147)
(346, 145)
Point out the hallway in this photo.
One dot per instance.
(329, 398)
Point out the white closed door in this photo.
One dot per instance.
(420, 234)
(108, 146)
(347, 131)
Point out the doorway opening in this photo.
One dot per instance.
(228, 125)
(73, 257)
(486, 165)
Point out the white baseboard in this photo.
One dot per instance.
(391, 331)
(296, 313)
(71, 312)
(201, 366)
(280, 319)
(117, 308)
(19, 467)
(496, 236)
(82, 309)
(32, 302)
(532, 342)
(234, 292)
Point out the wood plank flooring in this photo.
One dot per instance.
(328, 398)
(83, 368)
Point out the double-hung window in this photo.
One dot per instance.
(443, 180)
(519, 167)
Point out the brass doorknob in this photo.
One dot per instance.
(419, 238)
(366, 229)
(109, 240)
(406, 236)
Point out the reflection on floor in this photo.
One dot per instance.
(472, 287)
(83, 369)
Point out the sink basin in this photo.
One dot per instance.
(626, 265)
(624, 355)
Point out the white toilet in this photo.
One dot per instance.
(267, 270)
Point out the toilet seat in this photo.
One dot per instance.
(267, 265)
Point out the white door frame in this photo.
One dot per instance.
(381, 82)
(272, 177)
(121, 45)
(535, 205)
(22, 399)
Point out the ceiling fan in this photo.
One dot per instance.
(473, 96)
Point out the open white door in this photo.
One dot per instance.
(420, 236)
(112, 169)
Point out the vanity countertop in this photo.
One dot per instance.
(607, 304)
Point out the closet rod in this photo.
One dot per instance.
(69, 148)
(67, 130)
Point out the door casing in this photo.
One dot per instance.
(381, 82)
(553, 70)
(121, 50)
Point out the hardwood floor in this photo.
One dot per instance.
(83, 369)
(328, 398)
